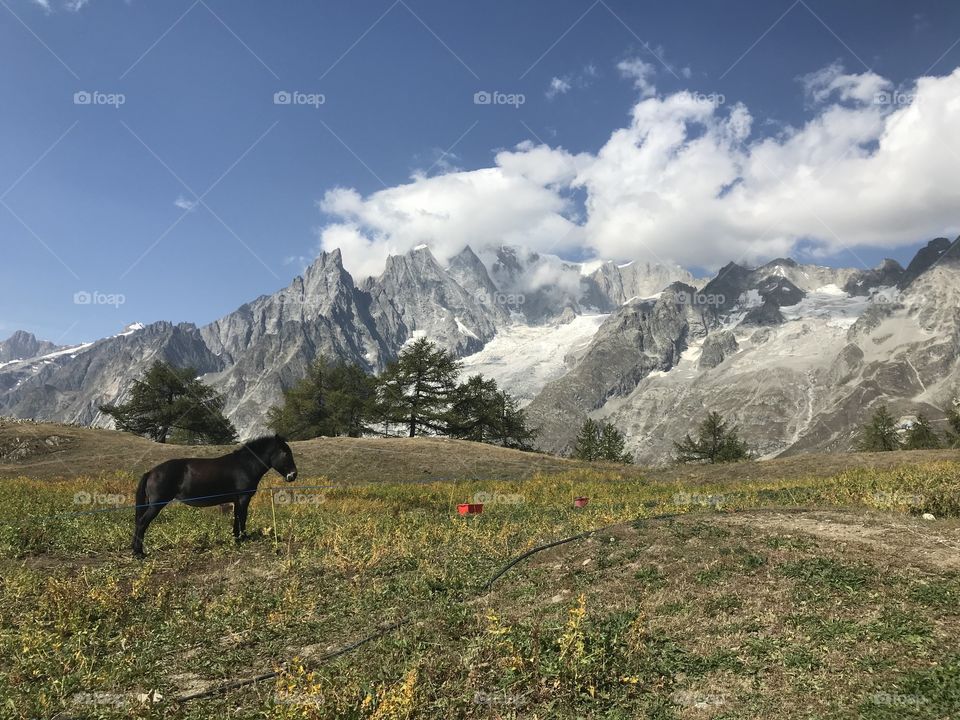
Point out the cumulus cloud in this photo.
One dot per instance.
(691, 179)
(517, 202)
(641, 73)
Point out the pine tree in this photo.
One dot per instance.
(512, 430)
(417, 389)
(351, 394)
(333, 399)
(483, 413)
(612, 444)
(716, 442)
(880, 434)
(922, 436)
(587, 446)
(600, 441)
(304, 413)
(172, 404)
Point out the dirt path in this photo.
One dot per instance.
(932, 543)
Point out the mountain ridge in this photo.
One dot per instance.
(659, 341)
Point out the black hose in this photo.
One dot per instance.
(485, 588)
(219, 689)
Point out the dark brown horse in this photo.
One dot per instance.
(203, 482)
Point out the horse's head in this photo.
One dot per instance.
(281, 459)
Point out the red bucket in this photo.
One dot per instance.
(470, 508)
(580, 502)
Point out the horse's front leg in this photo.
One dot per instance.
(240, 507)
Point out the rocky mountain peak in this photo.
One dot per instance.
(926, 257)
(325, 280)
(415, 295)
(471, 274)
(23, 346)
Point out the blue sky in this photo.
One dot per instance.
(103, 197)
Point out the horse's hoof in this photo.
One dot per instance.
(139, 554)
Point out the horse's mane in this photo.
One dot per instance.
(260, 445)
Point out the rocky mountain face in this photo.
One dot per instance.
(23, 345)
(796, 355)
(68, 385)
(264, 346)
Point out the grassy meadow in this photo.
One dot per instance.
(800, 594)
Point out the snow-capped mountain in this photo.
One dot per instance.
(22, 346)
(795, 354)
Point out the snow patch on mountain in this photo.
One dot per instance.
(130, 329)
(72, 351)
(464, 329)
(524, 358)
(829, 303)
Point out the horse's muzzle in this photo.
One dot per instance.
(291, 476)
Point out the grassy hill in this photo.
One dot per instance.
(55, 451)
(803, 588)
(48, 450)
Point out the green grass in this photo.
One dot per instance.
(686, 617)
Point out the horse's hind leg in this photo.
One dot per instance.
(145, 516)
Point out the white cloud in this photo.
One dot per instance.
(583, 78)
(558, 86)
(690, 180)
(641, 73)
(512, 203)
(185, 203)
(832, 81)
(69, 5)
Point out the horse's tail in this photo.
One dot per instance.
(142, 494)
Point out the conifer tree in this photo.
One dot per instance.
(716, 442)
(172, 404)
(880, 434)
